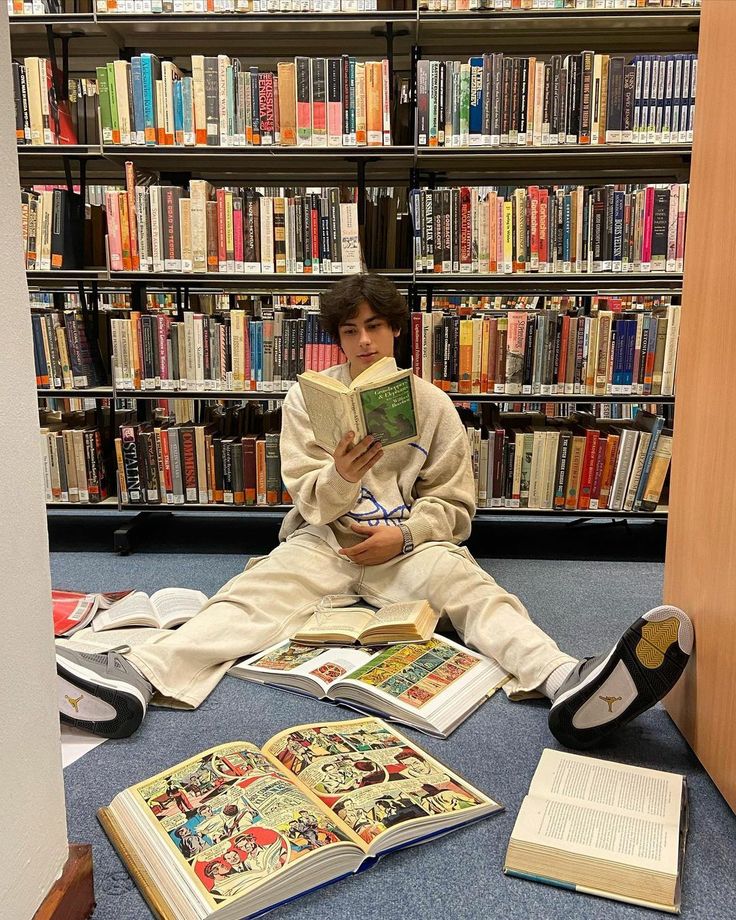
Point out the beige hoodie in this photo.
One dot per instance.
(427, 484)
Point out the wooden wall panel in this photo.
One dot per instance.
(700, 570)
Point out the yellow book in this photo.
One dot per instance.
(508, 236)
(236, 830)
(466, 356)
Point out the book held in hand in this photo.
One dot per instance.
(431, 686)
(73, 610)
(410, 621)
(164, 609)
(238, 830)
(602, 828)
(380, 401)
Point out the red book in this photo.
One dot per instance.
(465, 228)
(543, 242)
(590, 455)
(416, 343)
(249, 469)
(646, 237)
(534, 225)
(74, 610)
(562, 367)
(221, 238)
(595, 490)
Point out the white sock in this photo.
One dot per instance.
(556, 679)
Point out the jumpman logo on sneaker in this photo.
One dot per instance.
(610, 700)
(74, 701)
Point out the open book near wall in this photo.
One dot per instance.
(602, 828)
(380, 401)
(238, 830)
(432, 686)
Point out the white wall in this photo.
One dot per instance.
(33, 844)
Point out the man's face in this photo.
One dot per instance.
(233, 858)
(366, 338)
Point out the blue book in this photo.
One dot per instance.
(150, 72)
(619, 200)
(566, 227)
(138, 117)
(619, 355)
(627, 377)
(685, 95)
(475, 120)
(648, 458)
(178, 113)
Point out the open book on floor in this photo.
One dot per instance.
(380, 401)
(164, 609)
(73, 610)
(602, 828)
(409, 621)
(236, 831)
(432, 686)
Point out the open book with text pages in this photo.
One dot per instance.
(603, 828)
(408, 621)
(432, 686)
(236, 830)
(163, 609)
(380, 401)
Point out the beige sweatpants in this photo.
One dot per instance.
(276, 594)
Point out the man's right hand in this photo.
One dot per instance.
(352, 461)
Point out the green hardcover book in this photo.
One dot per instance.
(379, 402)
(464, 104)
(112, 93)
(103, 89)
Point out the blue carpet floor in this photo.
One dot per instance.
(583, 604)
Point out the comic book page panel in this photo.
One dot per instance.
(234, 821)
(371, 776)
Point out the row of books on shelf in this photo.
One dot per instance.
(559, 228)
(19, 8)
(192, 464)
(578, 463)
(49, 111)
(587, 98)
(480, 348)
(489, 100)
(313, 230)
(62, 352)
(318, 102)
(548, 353)
(239, 353)
(79, 236)
(75, 468)
(504, 6)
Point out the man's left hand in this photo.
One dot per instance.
(381, 543)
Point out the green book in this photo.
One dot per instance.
(380, 402)
(103, 88)
(112, 92)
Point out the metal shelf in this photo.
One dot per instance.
(557, 398)
(199, 394)
(233, 280)
(536, 283)
(106, 504)
(91, 393)
(659, 514)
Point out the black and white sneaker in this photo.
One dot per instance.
(103, 694)
(603, 693)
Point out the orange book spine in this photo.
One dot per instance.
(589, 461)
(260, 472)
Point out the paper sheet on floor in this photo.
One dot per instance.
(75, 743)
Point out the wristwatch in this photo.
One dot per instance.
(408, 540)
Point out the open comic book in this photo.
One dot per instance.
(235, 830)
(602, 828)
(432, 686)
(380, 401)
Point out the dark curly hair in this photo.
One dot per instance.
(340, 303)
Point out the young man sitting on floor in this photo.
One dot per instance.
(387, 527)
